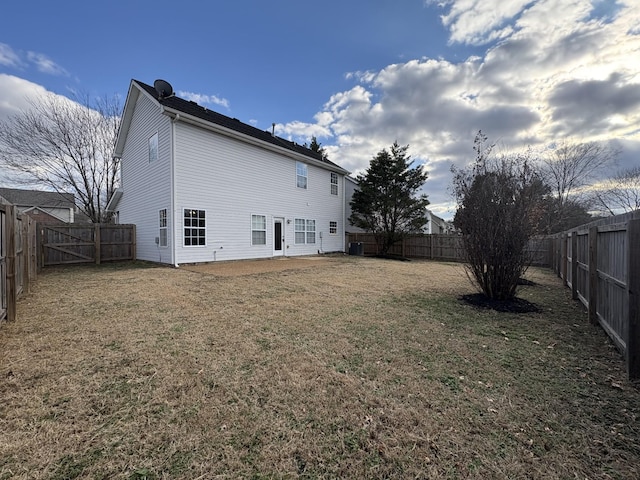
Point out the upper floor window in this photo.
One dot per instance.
(194, 228)
(334, 183)
(153, 148)
(301, 175)
(258, 230)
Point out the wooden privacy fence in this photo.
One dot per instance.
(441, 247)
(600, 262)
(18, 258)
(63, 244)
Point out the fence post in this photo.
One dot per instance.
(96, 240)
(563, 256)
(633, 292)
(10, 229)
(593, 275)
(26, 255)
(574, 265)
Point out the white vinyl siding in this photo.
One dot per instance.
(207, 177)
(147, 187)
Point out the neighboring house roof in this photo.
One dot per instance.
(38, 198)
(175, 104)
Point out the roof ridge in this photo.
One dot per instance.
(193, 108)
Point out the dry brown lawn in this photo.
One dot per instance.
(321, 367)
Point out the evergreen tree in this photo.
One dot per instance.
(387, 202)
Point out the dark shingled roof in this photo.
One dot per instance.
(192, 108)
(37, 198)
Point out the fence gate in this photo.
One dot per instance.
(65, 244)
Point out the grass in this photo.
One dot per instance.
(349, 368)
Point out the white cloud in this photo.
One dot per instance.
(557, 72)
(201, 99)
(15, 93)
(8, 57)
(45, 65)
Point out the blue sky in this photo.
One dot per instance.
(358, 74)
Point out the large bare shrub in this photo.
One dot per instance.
(499, 204)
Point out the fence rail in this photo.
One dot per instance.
(63, 244)
(600, 262)
(442, 247)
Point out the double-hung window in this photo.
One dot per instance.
(258, 230)
(334, 183)
(301, 175)
(333, 228)
(162, 236)
(305, 231)
(195, 228)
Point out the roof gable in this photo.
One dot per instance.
(209, 116)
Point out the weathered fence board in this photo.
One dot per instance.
(441, 247)
(64, 244)
(18, 267)
(600, 263)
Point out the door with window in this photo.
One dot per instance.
(278, 236)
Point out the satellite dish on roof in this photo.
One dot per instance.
(163, 88)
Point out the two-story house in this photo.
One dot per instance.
(202, 187)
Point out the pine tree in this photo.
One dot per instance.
(387, 202)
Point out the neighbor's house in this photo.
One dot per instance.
(435, 224)
(43, 207)
(350, 186)
(201, 186)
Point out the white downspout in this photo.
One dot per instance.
(173, 191)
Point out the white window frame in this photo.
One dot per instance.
(163, 230)
(258, 230)
(153, 148)
(334, 183)
(302, 175)
(304, 231)
(333, 227)
(200, 226)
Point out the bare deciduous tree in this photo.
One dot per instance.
(573, 166)
(67, 146)
(621, 192)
